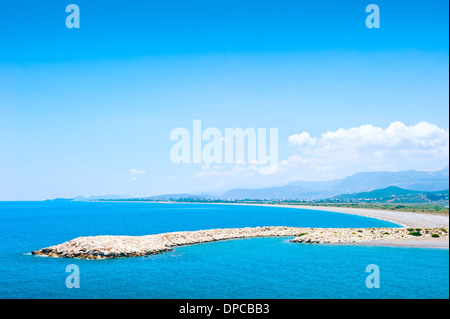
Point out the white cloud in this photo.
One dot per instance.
(302, 138)
(340, 153)
(423, 146)
(134, 171)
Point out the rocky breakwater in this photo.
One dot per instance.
(348, 235)
(101, 247)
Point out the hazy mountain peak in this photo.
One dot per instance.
(359, 182)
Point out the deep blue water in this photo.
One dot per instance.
(244, 268)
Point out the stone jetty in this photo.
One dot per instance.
(101, 247)
(348, 235)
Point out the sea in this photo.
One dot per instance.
(267, 268)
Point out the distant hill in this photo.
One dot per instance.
(317, 185)
(92, 198)
(106, 197)
(288, 192)
(414, 180)
(179, 197)
(360, 182)
(395, 195)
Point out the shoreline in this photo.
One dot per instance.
(105, 247)
(406, 219)
(402, 218)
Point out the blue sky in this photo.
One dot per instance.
(81, 107)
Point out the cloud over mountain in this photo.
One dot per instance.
(367, 147)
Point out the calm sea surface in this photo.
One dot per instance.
(243, 268)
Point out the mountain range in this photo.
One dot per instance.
(317, 190)
(360, 182)
(394, 194)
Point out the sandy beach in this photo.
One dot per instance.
(406, 219)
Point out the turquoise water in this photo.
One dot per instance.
(244, 268)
